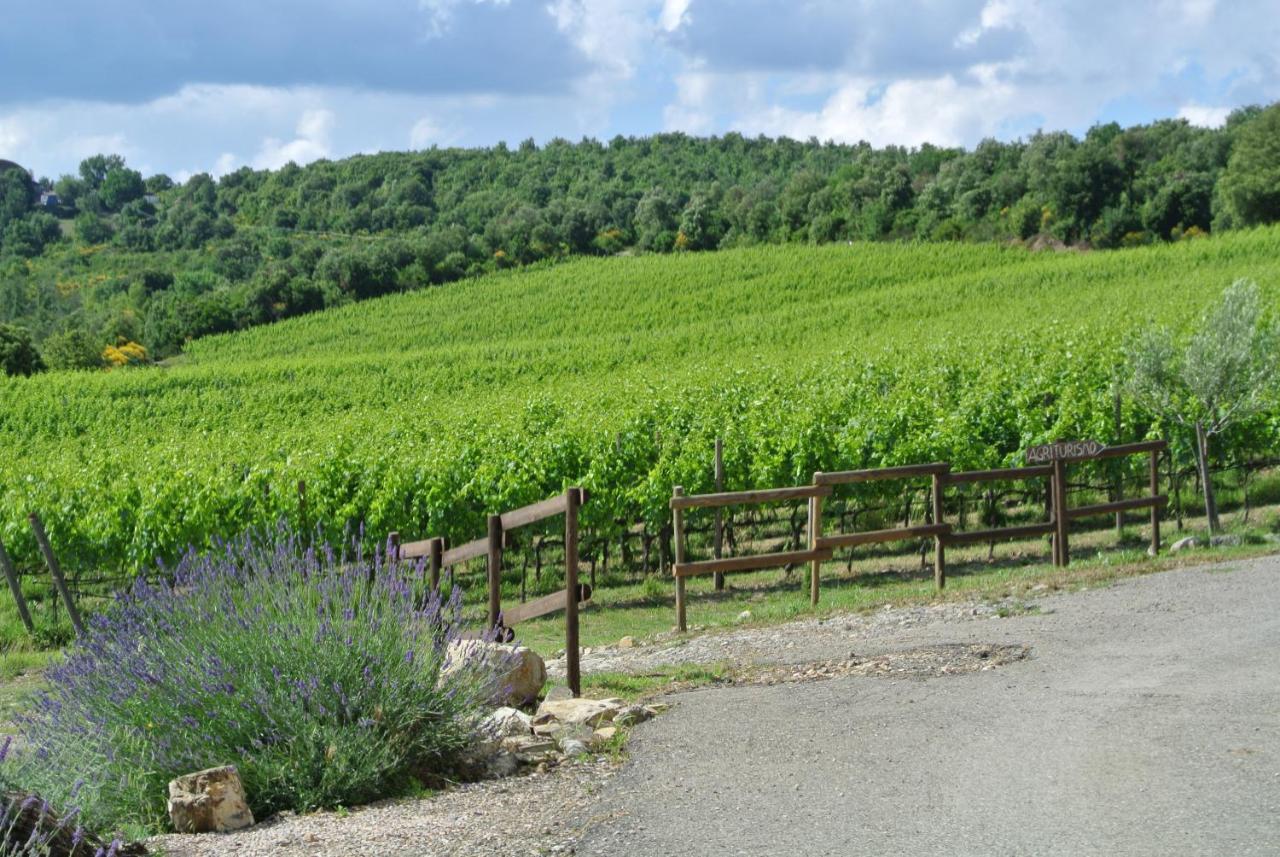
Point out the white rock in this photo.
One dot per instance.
(529, 749)
(210, 801)
(506, 722)
(573, 747)
(1184, 544)
(1227, 541)
(627, 643)
(591, 712)
(631, 715)
(519, 673)
(744, 616)
(560, 691)
(603, 736)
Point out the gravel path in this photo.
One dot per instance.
(1145, 721)
(793, 643)
(541, 813)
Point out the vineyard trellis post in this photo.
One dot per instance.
(1155, 511)
(939, 549)
(56, 571)
(815, 533)
(718, 546)
(678, 526)
(495, 570)
(572, 654)
(15, 586)
(1061, 551)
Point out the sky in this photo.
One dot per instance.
(187, 86)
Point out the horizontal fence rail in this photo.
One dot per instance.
(500, 621)
(822, 547)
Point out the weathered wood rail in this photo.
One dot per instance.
(496, 540)
(821, 547)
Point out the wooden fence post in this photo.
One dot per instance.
(719, 540)
(677, 523)
(572, 653)
(1062, 551)
(56, 570)
(939, 549)
(815, 533)
(495, 570)
(15, 586)
(434, 551)
(1155, 510)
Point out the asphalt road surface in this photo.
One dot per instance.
(1146, 721)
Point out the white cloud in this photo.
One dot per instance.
(612, 34)
(227, 163)
(1204, 116)
(909, 112)
(440, 13)
(311, 144)
(13, 135)
(423, 133)
(673, 14)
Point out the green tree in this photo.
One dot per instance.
(92, 229)
(120, 187)
(18, 354)
(1225, 373)
(74, 348)
(94, 169)
(15, 197)
(1251, 183)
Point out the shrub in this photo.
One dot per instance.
(30, 827)
(318, 676)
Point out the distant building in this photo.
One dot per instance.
(151, 199)
(49, 199)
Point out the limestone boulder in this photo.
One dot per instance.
(507, 722)
(517, 673)
(210, 801)
(586, 712)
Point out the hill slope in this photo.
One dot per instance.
(420, 412)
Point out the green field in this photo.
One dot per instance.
(423, 411)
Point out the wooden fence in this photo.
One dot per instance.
(821, 547)
(501, 621)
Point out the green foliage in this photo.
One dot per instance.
(421, 412)
(322, 678)
(18, 355)
(92, 228)
(1251, 184)
(15, 197)
(300, 238)
(73, 348)
(120, 187)
(1226, 372)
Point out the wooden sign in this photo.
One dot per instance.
(1066, 450)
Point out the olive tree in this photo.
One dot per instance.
(1223, 374)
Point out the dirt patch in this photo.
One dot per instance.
(923, 662)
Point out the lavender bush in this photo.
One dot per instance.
(30, 827)
(318, 676)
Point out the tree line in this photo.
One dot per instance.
(123, 268)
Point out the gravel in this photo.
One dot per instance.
(541, 813)
(805, 640)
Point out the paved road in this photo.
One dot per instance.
(1147, 721)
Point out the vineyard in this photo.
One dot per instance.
(424, 411)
